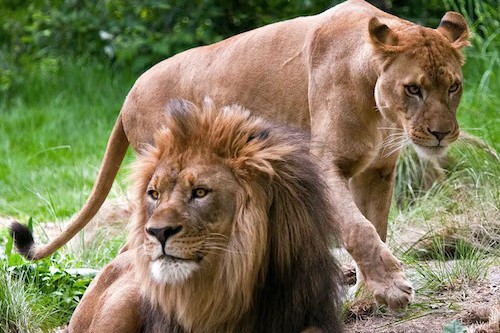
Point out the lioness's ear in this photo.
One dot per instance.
(381, 35)
(454, 27)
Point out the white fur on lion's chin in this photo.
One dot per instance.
(172, 272)
(429, 152)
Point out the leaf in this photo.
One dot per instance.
(8, 246)
(454, 327)
(30, 224)
(15, 260)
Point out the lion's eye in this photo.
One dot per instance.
(454, 88)
(153, 194)
(199, 192)
(412, 90)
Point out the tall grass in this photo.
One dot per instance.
(479, 111)
(466, 265)
(52, 137)
(16, 314)
(23, 309)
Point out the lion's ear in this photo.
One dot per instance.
(381, 35)
(454, 27)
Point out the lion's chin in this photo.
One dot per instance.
(169, 270)
(430, 151)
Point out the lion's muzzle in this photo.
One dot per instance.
(163, 234)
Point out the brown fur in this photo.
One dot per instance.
(345, 76)
(263, 263)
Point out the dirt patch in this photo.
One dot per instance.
(477, 307)
(111, 220)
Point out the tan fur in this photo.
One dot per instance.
(259, 238)
(345, 76)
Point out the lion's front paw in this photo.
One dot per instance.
(396, 292)
(388, 283)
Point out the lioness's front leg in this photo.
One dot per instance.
(382, 272)
(372, 190)
(345, 149)
(345, 134)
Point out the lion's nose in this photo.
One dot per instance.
(162, 234)
(439, 135)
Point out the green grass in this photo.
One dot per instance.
(53, 136)
(479, 111)
(16, 307)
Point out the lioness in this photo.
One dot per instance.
(361, 81)
(232, 233)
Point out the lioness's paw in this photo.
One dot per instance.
(396, 293)
(387, 281)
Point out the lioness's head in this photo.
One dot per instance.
(420, 79)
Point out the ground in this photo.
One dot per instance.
(471, 306)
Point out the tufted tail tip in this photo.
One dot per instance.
(23, 239)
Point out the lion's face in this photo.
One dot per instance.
(190, 209)
(422, 93)
(420, 81)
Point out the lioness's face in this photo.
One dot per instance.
(190, 212)
(421, 89)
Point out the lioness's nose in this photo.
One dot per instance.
(439, 135)
(162, 234)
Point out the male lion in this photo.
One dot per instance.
(361, 81)
(231, 234)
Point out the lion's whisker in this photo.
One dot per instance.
(393, 129)
(397, 147)
(216, 247)
(217, 236)
(381, 107)
(391, 141)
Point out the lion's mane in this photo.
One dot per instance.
(277, 273)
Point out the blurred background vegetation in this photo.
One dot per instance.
(132, 35)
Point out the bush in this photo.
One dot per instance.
(130, 35)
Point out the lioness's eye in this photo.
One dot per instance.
(412, 90)
(199, 192)
(153, 194)
(454, 87)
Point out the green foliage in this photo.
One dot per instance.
(131, 35)
(425, 12)
(16, 312)
(53, 138)
(37, 296)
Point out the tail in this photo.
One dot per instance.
(113, 157)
